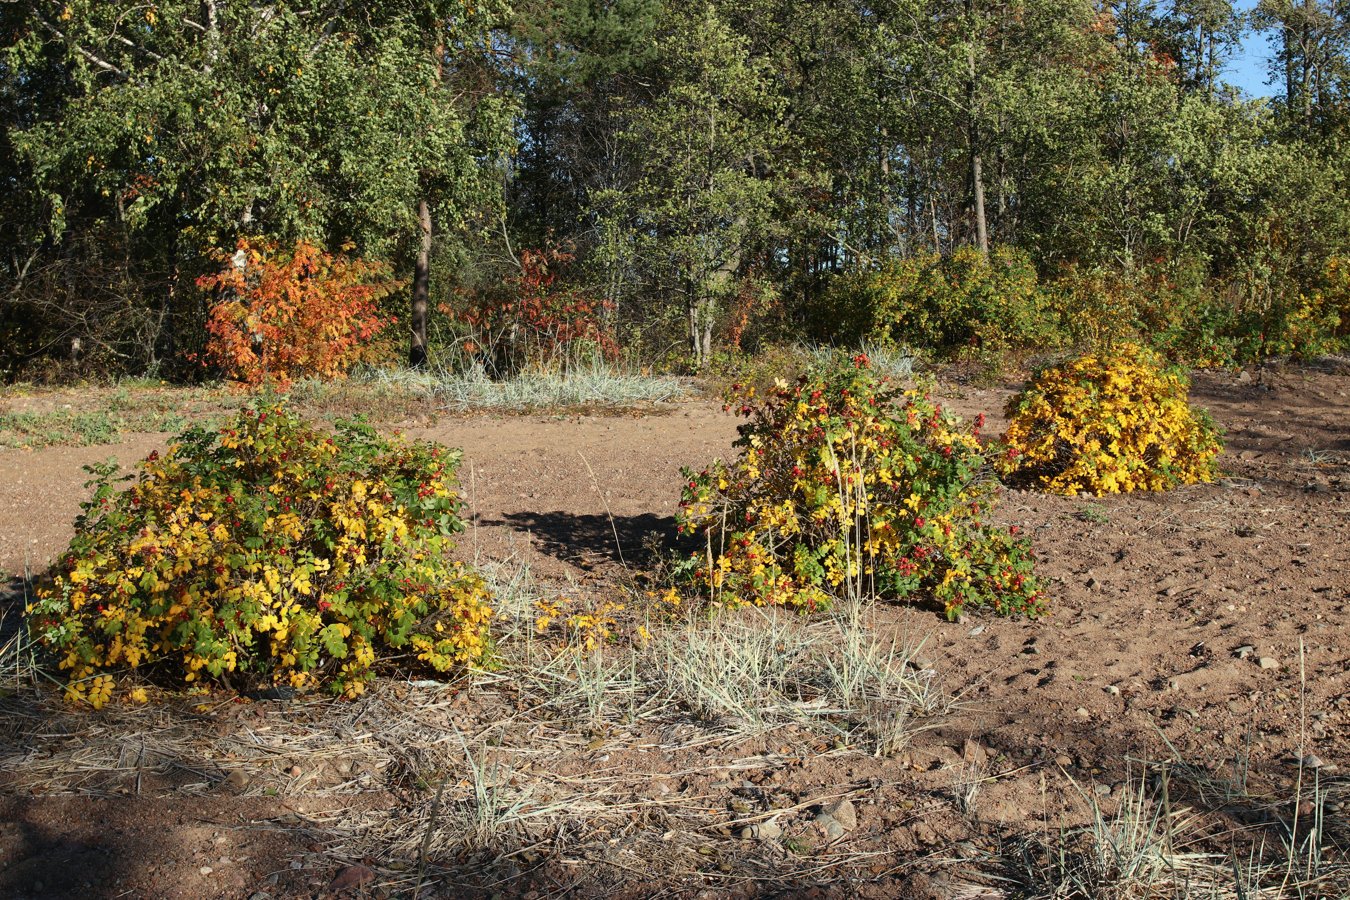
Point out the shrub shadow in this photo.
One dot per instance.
(587, 539)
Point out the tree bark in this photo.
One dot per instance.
(973, 134)
(981, 223)
(695, 349)
(421, 288)
(211, 25)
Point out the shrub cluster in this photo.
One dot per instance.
(267, 551)
(532, 320)
(1109, 422)
(1194, 320)
(303, 313)
(966, 302)
(944, 303)
(846, 486)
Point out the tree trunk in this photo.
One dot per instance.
(976, 162)
(981, 224)
(421, 289)
(700, 305)
(691, 307)
(1290, 92)
(932, 206)
(168, 324)
(707, 333)
(211, 25)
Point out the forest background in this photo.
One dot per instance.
(497, 188)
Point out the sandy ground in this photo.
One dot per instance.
(1205, 625)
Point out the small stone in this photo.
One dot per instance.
(206, 870)
(1063, 761)
(1268, 662)
(833, 830)
(977, 630)
(1244, 651)
(924, 834)
(1103, 790)
(1113, 690)
(352, 877)
(843, 812)
(236, 781)
(1312, 761)
(762, 831)
(1082, 712)
(293, 771)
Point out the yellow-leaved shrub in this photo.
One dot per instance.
(1111, 421)
(267, 551)
(849, 486)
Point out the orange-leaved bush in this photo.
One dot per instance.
(533, 321)
(281, 315)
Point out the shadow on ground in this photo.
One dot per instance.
(587, 539)
(12, 595)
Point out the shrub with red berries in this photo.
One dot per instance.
(849, 486)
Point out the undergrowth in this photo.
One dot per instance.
(848, 486)
(268, 551)
(1113, 421)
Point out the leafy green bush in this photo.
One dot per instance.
(848, 486)
(1302, 327)
(1194, 320)
(945, 304)
(267, 550)
(1334, 293)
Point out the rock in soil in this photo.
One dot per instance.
(843, 812)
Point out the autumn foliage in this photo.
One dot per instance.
(534, 321)
(266, 552)
(293, 314)
(849, 486)
(1109, 422)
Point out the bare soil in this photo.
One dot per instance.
(1204, 626)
